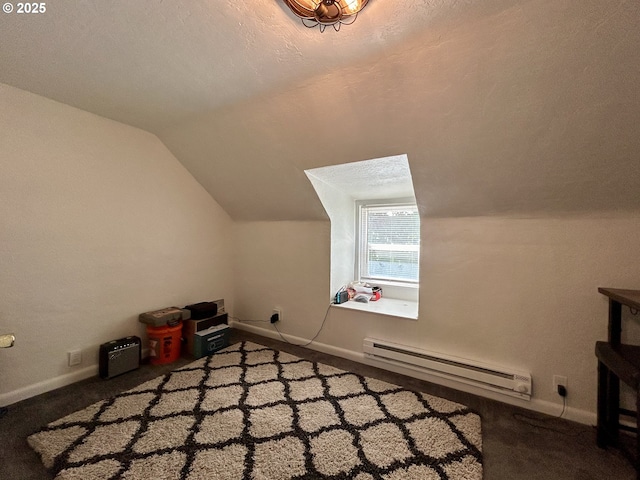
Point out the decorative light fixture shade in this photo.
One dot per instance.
(326, 12)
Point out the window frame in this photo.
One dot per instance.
(360, 245)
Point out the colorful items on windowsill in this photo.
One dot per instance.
(358, 292)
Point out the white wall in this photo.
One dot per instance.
(510, 291)
(98, 223)
(282, 264)
(340, 209)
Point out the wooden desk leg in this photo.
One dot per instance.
(615, 322)
(603, 385)
(613, 408)
(636, 463)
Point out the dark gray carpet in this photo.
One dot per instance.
(513, 447)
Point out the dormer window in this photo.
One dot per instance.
(373, 241)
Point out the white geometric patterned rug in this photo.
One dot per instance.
(249, 412)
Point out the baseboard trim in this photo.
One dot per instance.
(536, 405)
(541, 406)
(45, 386)
(29, 391)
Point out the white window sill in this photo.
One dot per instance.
(385, 306)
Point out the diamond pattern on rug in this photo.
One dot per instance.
(80, 416)
(126, 407)
(250, 412)
(224, 376)
(175, 402)
(279, 459)
(334, 452)
(271, 421)
(343, 385)
(57, 441)
(314, 416)
(402, 405)
(168, 433)
(261, 373)
(308, 389)
(182, 380)
(221, 427)
(104, 440)
(168, 465)
(297, 370)
(384, 444)
(434, 437)
(226, 463)
(264, 394)
(221, 397)
(361, 410)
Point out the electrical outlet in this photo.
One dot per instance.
(559, 380)
(75, 357)
(276, 311)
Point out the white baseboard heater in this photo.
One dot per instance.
(498, 379)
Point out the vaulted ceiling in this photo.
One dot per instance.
(527, 107)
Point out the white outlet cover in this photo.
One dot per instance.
(75, 357)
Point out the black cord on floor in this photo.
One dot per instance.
(314, 337)
(542, 420)
(564, 406)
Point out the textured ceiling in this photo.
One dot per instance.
(151, 63)
(527, 107)
(377, 179)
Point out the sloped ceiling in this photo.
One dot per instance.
(503, 107)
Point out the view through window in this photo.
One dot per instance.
(389, 242)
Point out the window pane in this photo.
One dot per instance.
(391, 249)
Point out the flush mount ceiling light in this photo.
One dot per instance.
(326, 12)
